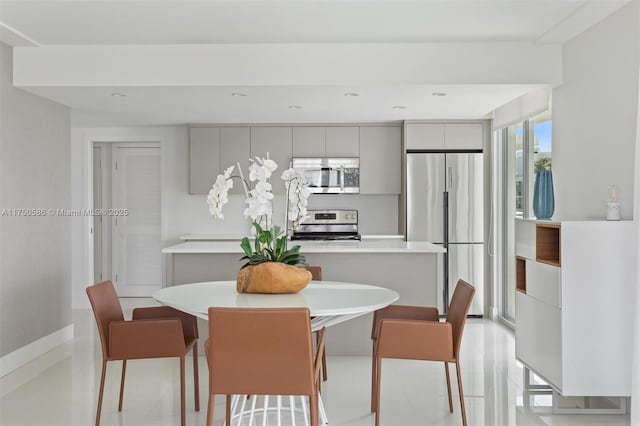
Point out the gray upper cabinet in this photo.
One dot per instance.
(380, 160)
(204, 158)
(277, 141)
(444, 136)
(343, 142)
(463, 135)
(425, 136)
(235, 148)
(309, 141)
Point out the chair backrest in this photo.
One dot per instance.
(316, 272)
(260, 351)
(106, 308)
(458, 309)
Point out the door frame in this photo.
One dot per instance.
(105, 201)
(140, 141)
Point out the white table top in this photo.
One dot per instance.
(323, 298)
(364, 246)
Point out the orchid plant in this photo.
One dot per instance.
(270, 240)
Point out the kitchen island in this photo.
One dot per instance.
(409, 268)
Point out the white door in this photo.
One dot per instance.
(136, 221)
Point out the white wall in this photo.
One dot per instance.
(183, 213)
(34, 251)
(594, 118)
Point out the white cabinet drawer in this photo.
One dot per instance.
(525, 238)
(543, 282)
(539, 338)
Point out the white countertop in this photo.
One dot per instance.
(365, 246)
(238, 237)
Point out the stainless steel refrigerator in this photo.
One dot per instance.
(445, 206)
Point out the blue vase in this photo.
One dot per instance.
(543, 202)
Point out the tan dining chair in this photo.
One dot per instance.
(154, 332)
(316, 275)
(415, 332)
(262, 352)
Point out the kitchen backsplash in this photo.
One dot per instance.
(378, 214)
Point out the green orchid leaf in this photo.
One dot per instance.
(246, 246)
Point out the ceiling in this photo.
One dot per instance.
(86, 22)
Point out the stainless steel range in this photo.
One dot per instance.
(329, 225)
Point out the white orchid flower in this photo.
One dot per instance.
(270, 166)
(299, 193)
(218, 195)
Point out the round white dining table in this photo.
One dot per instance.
(329, 302)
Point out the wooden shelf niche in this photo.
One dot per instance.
(548, 243)
(521, 274)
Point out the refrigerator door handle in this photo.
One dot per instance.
(449, 177)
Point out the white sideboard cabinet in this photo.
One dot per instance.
(574, 304)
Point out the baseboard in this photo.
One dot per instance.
(493, 312)
(33, 350)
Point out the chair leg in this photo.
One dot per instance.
(324, 359)
(378, 380)
(313, 409)
(373, 377)
(228, 411)
(196, 384)
(124, 369)
(183, 420)
(324, 367)
(464, 412)
(446, 370)
(210, 410)
(104, 370)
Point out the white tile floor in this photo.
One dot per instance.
(59, 388)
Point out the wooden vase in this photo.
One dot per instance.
(272, 277)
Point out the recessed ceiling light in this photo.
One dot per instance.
(438, 94)
(238, 94)
(352, 94)
(119, 95)
(398, 107)
(295, 107)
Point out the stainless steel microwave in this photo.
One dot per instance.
(330, 175)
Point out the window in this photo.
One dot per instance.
(525, 145)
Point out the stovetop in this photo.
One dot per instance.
(321, 236)
(328, 225)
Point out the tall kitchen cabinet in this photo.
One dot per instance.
(380, 160)
(574, 304)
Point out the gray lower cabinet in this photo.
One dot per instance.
(204, 158)
(235, 148)
(277, 141)
(380, 160)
